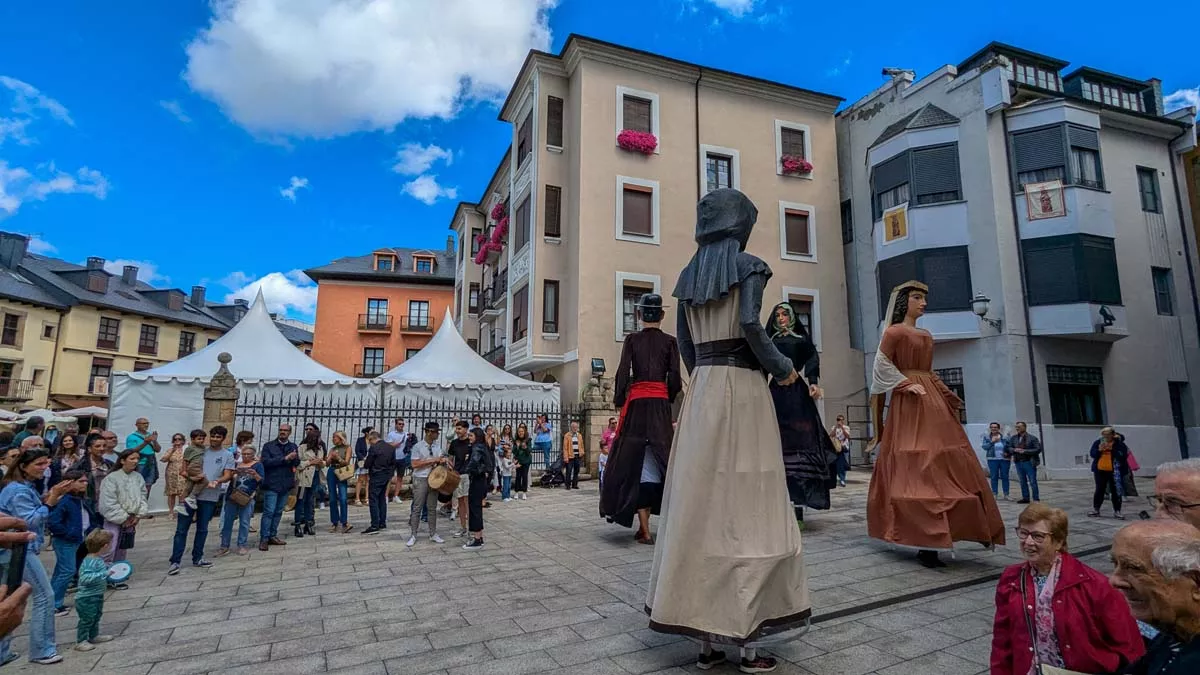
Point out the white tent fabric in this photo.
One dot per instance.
(448, 370)
(48, 416)
(86, 411)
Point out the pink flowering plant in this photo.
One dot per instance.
(637, 141)
(793, 164)
(498, 211)
(500, 231)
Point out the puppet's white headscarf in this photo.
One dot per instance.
(884, 375)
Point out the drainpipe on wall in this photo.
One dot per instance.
(699, 159)
(1037, 401)
(1183, 230)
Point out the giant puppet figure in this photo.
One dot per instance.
(647, 383)
(927, 490)
(728, 567)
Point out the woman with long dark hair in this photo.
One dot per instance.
(522, 446)
(339, 457)
(312, 453)
(19, 498)
(360, 473)
(477, 469)
(809, 459)
(66, 452)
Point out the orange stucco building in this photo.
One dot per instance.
(376, 310)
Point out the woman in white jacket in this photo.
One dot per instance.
(122, 502)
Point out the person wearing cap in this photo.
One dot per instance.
(648, 381)
(426, 454)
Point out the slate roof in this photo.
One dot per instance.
(19, 286)
(928, 115)
(362, 267)
(295, 335)
(233, 313)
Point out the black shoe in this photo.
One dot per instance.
(1022, 501)
(929, 559)
(308, 530)
(371, 530)
(298, 533)
(708, 661)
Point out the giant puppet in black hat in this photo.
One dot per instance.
(728, 566)
(647, 383)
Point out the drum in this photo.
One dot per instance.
(120, 571)
(443, 479)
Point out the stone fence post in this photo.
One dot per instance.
(220, 397)
(596, 408)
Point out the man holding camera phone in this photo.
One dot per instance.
(13, 534)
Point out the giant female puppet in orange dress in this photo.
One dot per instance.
(928, 489)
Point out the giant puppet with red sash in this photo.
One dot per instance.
(648, 381)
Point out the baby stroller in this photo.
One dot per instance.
(553, 476)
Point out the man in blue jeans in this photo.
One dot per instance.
(1026, 450)
(280, 458)
(218, 469)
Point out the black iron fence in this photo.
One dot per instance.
(261, 413)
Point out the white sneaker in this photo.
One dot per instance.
(507, 499)
(437, 539)
(412, 541)
(191, 503)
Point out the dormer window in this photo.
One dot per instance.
(385, 263)
(423, 264)
(1035, 76)
(1117, 97)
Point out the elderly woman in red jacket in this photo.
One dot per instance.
(1054, 610)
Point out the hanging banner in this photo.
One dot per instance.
(1045, 200)
(895, 223)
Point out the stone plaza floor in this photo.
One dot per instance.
(555, 590)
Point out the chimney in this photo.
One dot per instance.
(274, 316)
(241, 302)
(197, 299)
(1152, 97)
(129, 275)
(12, 249)
(449, 244)
(95, 263)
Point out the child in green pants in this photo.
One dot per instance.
(89, 596)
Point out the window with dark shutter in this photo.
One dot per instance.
(524, 139)
(1039, 155)
(1071, 268)
(791, 142)
(1050, 273)
(847, 223)
(935, 176)
(797, 237)
(892, 272)
(1164, 298)
(552, 227)
(473, 298)
(12, 330)
(520, 226)
(554, 122)
(889, 183)
(1099, 257)
(520, 325)
(1148, 188)
(637, 217)
(636, 114)
(947, 272)
(1076, 394)
(550, 306)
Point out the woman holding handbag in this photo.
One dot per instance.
(341, 470)
(122, 503)
(239, 501)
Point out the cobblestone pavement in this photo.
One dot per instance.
(556, 589)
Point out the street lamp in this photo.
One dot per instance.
(980, 306)
(598, 367)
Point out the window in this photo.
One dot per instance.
(520, 226)
(1071, 268)
(372, 364)
(1060, 152)
(1036, 76)
(1118, 97)
(473, 344)
(718, 171)
(1076, 395)
(1091, 91)
(792, 139)
(792, 142)
(377, 313)
(554, 121)
(847, 222)
(148, 340)
(631, 322)
(1085, 167)
(552, 225)
(947, 272)
(803, 309)
(187, 343)
(637, 210)
(49, 330)
(1164, 296)
(953, 379)
(383, 263)
(636, 113)
(418, 314)
(796, 233)
(97, 282)
(142, 365)
(520, 311)
(889, 183)
(409, 353)
(1148, 188)
(11, 334)
(39, 377)
(109, 333)
(935, 174)
(475, 233)
(473, 298)
(98, 379)
(524, 139)
(423, 265)
(211, 340)
(550, 306)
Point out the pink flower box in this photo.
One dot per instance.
(498, 211)
(501, 231)
(792, 164)
(637, 141)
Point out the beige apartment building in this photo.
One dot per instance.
(612, 147)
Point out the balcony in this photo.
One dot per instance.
(495, 296)
(1088, 211)
(148, 349)
(416, 324)
(375, 323)
(102, 343)
(370, 369)
(1079, 321)
(497, 355)
(15, 390)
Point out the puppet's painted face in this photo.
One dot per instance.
(783, 317)
(916, 304)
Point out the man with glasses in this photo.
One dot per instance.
(280, 457)
(1177, 492)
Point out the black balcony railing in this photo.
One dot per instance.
(370, 369)
(416, 324)
(496, 294)
(496, 356)
(15, 390)
(375, 322)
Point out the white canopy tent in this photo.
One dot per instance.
(263, 361)
(86, 411)
(447, 370)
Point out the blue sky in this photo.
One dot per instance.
(236, 142)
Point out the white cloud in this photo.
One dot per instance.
(14, 128)
(737, 8)
(147, 271)
(28, 101)
(414, 158)
(1182, 98)
(325, 68)
(175, 109)
(41, 246)
(285, 292)
(297, 183)
(425, 188)
(18, 185)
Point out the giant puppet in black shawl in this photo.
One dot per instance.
(808, 454)
(728, 566)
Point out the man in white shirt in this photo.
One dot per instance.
(398, 440)
(426, 454)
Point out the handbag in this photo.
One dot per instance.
(344, 472)
(126, 539)
(240, 497)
